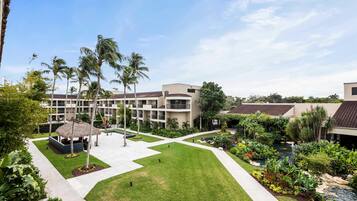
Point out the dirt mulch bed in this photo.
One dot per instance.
(81, 170)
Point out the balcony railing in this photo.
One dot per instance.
(178, 106)
(153, 116)
(162, 117)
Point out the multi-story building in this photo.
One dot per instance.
(174, 101)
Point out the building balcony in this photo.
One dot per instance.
(178, 106)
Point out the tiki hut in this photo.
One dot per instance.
(81, 130)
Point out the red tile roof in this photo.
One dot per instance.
(273, 110)
(346, 115)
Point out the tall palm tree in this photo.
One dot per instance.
(136, 63)
(72, 90)
(106, 51)
(56, 67)
(126, 79)
(68, 73)
(82, 77)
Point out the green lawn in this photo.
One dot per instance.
(139, 137)
(62, 164)
(185, 173)
(197, 138)
(42, 135)
(144, 138)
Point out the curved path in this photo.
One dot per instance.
(121, 160)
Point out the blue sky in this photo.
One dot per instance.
(293, 47)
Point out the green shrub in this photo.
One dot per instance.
(316, 163)
(222, 141)
(343, 161)
(282, 177)
(266, 138)
(252, 150)
(173, 133)
(19, 178)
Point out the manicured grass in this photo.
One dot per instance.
(139, 137)
(64, 165)
(144, 138)
(184, 173)
(42, 135)
(286, 198)
(197, 138)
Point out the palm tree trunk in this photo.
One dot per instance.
(53, 91)
(65, 102)
(137, 111)
(124, 116)
(92, 123)
(75, 115)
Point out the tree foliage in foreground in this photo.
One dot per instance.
(19, 116)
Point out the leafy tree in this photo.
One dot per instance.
(34, 85)
(294, 99)
(56, 67)
(106, 51)
(126, 79)
(274, 98)
(137, 64)
(72, 90)
(212, 99)
(19, 117)
(232, 101)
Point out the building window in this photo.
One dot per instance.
(354, 90)
(191, 90)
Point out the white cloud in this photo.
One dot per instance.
(235, 6)
(271, 53)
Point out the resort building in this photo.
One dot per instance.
(174, 101)
(346, 116)
(289, 110)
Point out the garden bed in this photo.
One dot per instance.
(81, 170)
(65, 166)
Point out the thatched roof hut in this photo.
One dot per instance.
(81, 129)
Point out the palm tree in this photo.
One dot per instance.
(68, 73)
(56, 68)
(136, 63)
(126, 79)
(106, 94)
(82, 77)
(106, 51)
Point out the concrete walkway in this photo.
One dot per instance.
(251, 186)
(121, 159)
(56, 186)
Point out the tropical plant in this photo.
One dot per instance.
(172, 123)
(68, 73)
(106, 51)
(19, 179)
(137, 64)
(56, 67)
(185, 125)
(252, 150)
(19, 117)
(126, 79)
(284, 178)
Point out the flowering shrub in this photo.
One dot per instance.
(284, 178)
(173, 133)
(251, 150)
